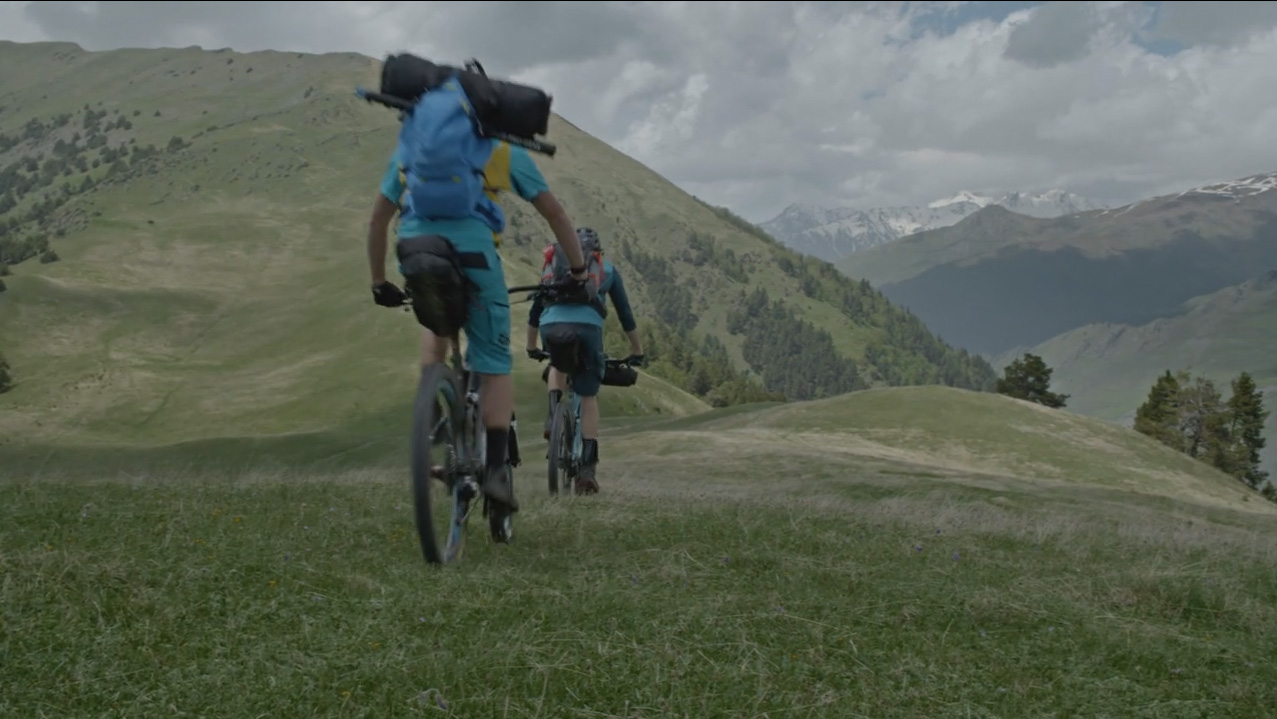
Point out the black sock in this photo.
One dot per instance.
(513, 449)
(498, 442)
(589, 451)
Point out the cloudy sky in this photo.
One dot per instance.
(755, 105)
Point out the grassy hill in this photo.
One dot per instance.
(890, 553)
(998, 280)
(185, 234)
(980, 439)
(1108, 368)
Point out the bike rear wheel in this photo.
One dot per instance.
(562, 434)
(441, 503)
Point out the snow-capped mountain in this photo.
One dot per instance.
(831, 233)
(1236, 190)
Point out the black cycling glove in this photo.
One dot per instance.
(387, 294)
(634, 360)
(577, 291)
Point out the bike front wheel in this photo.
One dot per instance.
(442, 490)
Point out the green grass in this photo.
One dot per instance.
(875, 593)
(966, 436)
(837, 558)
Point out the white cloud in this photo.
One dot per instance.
(756, 105)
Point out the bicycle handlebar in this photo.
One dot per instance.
(540, 355)
(538, 289)
(549, 292)
(542, 288)
(398, 103)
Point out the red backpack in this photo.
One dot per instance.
(555, 270)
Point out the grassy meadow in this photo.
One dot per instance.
(735, 565)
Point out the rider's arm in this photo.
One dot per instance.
(383, 211)
(531, 186)
(534, 321)
(624, 313)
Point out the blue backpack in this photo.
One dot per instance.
(443, 155)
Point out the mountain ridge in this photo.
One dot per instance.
(1108, 368)
(833, 233)
(996, 280)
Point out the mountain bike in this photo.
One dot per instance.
(566, 444)
(449, 445)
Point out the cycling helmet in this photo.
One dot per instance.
(589, 239)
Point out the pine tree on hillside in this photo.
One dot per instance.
(1158, 417)
(1190, 415)
(1028, 378)
(1246, 425)
(1203, 421)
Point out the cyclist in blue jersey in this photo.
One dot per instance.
(488, 326)
(585, 323)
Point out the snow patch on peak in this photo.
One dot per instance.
(961, 197)
(831, 233)
(1237, 189)
(1049, 203)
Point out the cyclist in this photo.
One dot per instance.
(488, 326)
(564, 321)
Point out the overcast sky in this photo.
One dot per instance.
(755, 105)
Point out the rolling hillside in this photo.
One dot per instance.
(998, 280)
(185, 234)
(942, 434)
(1108, 368)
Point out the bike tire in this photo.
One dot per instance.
(437, 406)
(560, 448)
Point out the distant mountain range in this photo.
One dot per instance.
(833, 233)
(997, 280)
